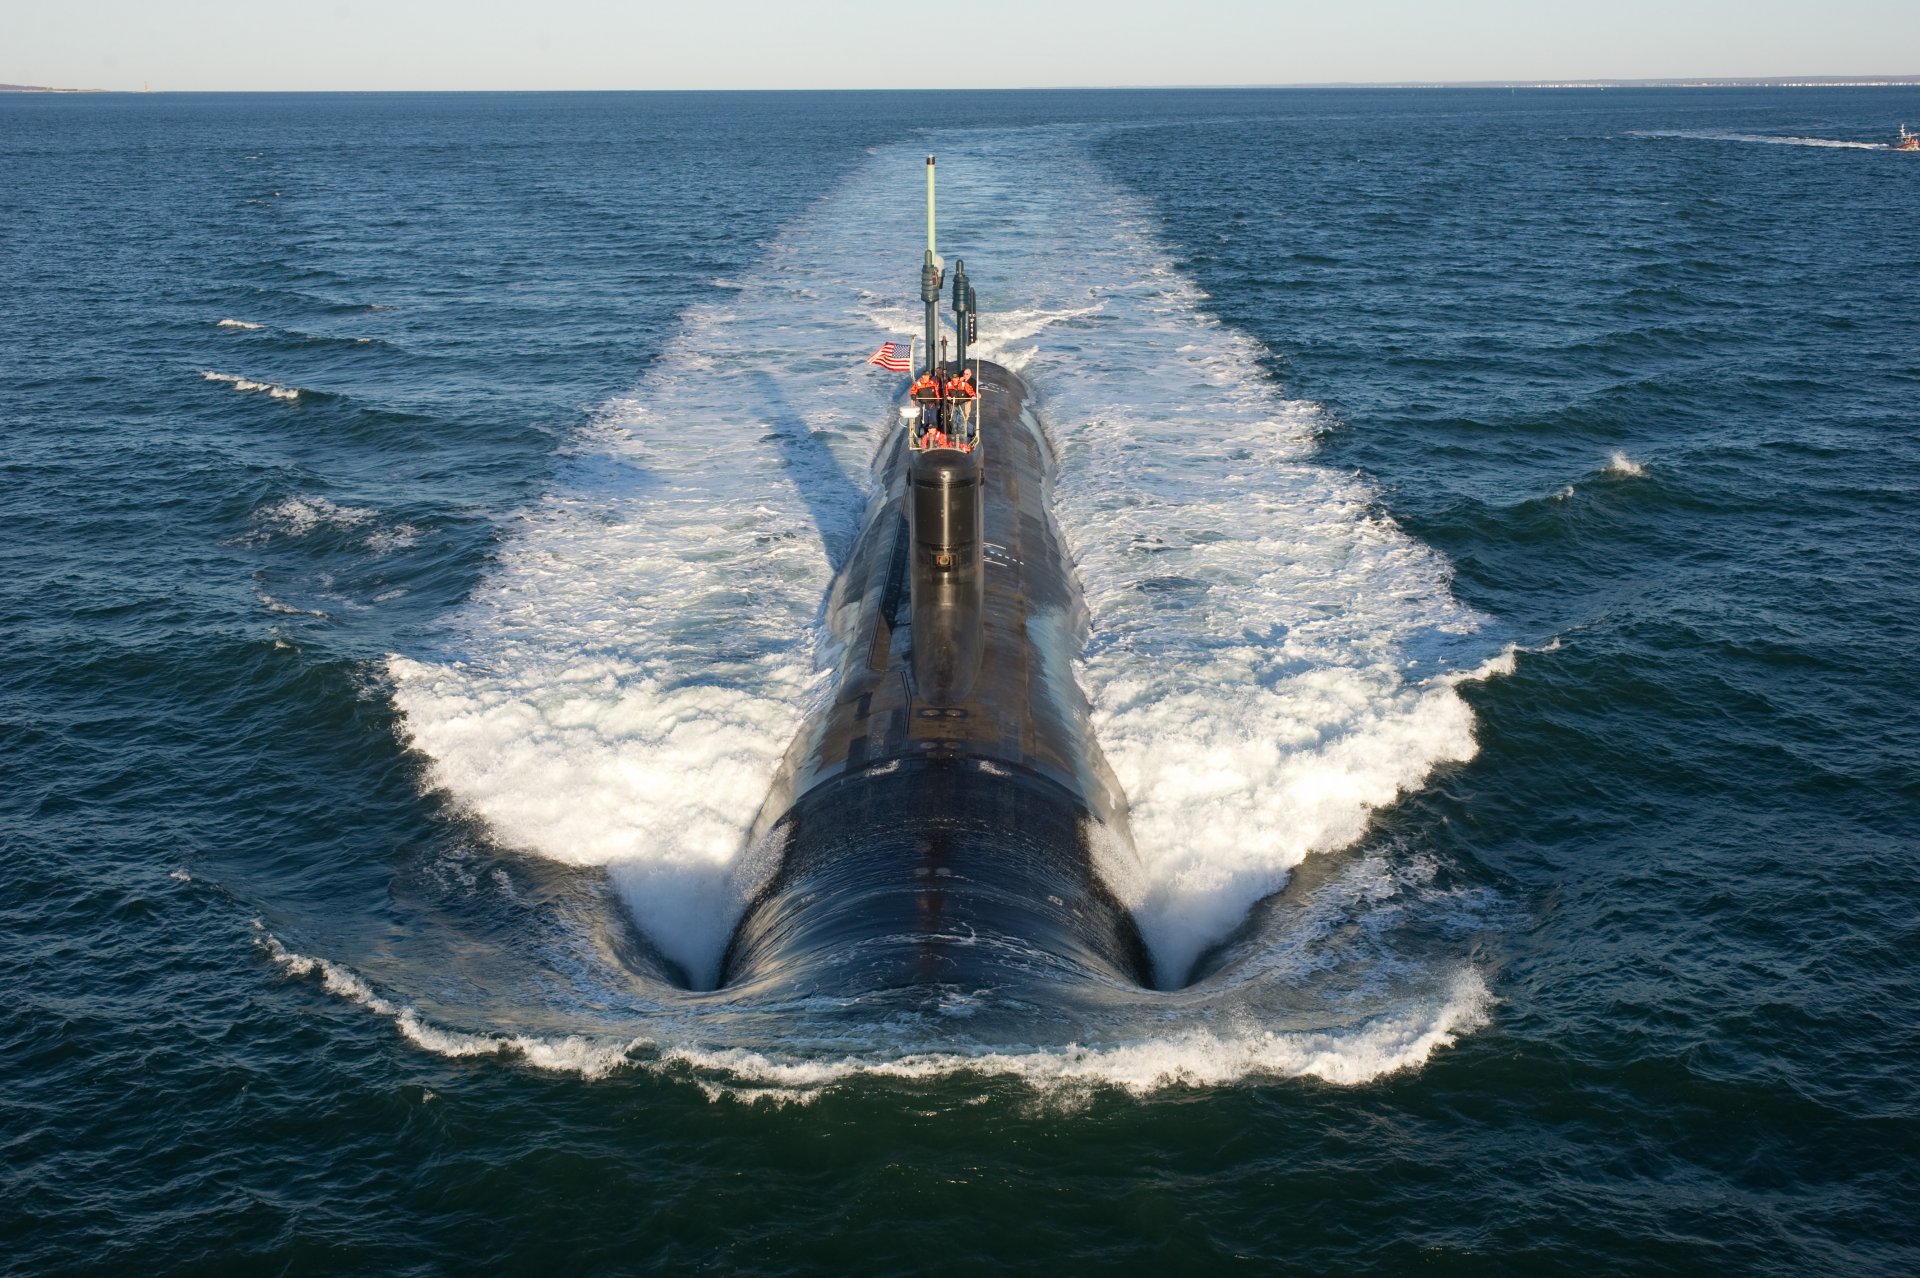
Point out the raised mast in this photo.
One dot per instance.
(930, 280)
(962, 314)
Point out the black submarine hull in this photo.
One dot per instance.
(936, 872)
(947, 817)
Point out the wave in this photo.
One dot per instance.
(302, 515)
(1622, 466)
(286, 609)
(298, 516)
(1765, 139)
(1197, 1057)
(1201, 1056)
(234, 323)
(248, 384)
(571, 1054)
(330, 339)
(399, 537)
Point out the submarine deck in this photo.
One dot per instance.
(1025, 710)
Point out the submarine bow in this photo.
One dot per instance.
(943, 817)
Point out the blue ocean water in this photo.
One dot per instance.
(1495, 513)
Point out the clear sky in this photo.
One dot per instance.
(704, 44)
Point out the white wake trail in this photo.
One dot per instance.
(1272, 658)
(1763, 139)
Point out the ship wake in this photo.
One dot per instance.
(1272, 659)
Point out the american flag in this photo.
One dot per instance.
(891, 357)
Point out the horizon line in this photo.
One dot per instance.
(1545, 83)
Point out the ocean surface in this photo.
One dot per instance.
(1497, 514)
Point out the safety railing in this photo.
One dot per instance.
(944, 423)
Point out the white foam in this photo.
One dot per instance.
(248, 384)
(286, 609)
(572, 1054)
(298, 516)
(1200, 1055)
(398, 537)
(606, 763)
(234, 323)
(302, 515)
(1272, 658)
(1625, 467)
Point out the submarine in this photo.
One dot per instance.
(945, 819)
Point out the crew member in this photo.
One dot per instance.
(926, 393)
(960, 385)
(960, 396)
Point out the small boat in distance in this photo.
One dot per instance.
(1907, 141)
